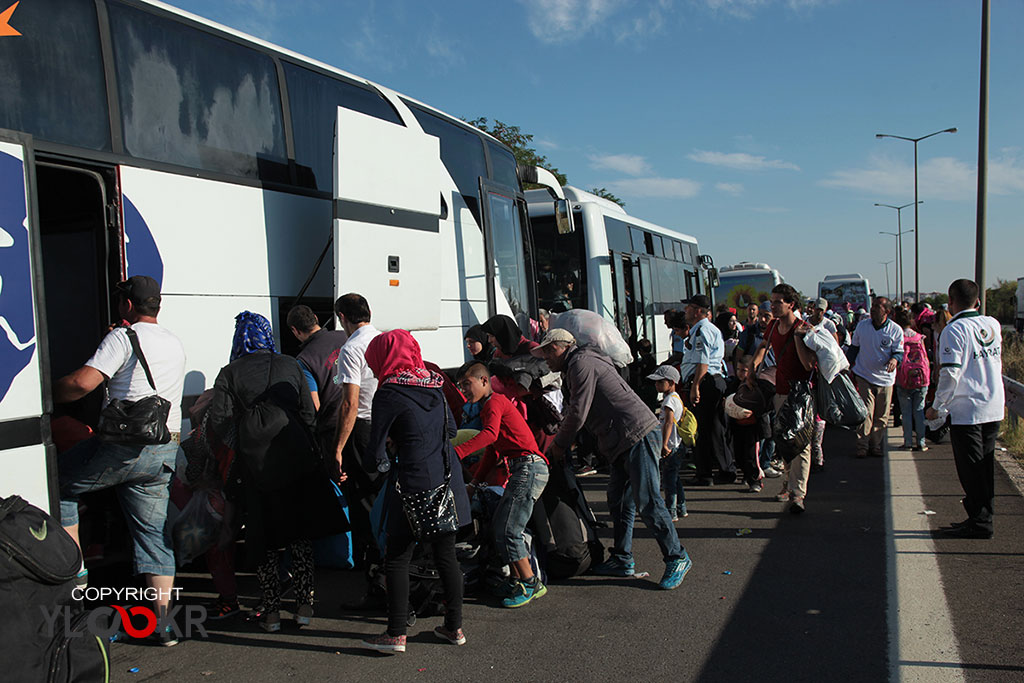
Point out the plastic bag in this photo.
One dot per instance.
(594, 332)
(794, 421)
(831, 360)
(335, 551)
(197, 527)
(839, 403)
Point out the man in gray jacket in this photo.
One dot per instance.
(629, 436)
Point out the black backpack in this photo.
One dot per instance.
(38, 564)
(564, 527)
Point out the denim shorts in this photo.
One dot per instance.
(527, 477)
(141, 476)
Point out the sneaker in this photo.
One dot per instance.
(675, 570)
(390, 645)
(222, 609)
(771, 472)
(783, 495)
(675, 516)
(525, 592)
(796, 506)
(755, 487)
(585, 471)
(615, 567)
(270, 622)
(919, 449)
(303, 614)
(164, 638)
(82, 579)
(456, 637)
(681, 512)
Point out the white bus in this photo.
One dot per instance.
(849, 288)
(746, 283)
(628, 270)
(139, 139)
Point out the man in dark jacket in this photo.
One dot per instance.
(318, 355)
(629, 436)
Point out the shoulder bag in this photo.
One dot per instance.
(142, 422)
(432, 513)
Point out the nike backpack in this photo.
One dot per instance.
(44, 634)
(914, 372)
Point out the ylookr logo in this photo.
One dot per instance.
(137, 621)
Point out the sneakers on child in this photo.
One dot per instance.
(303, 615)
(675, 570)
(390, 645)
(755, 487)
(615, 567)
(524, 592)
(222, 609)
(456, 637)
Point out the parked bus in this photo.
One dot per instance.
(140, 139)
(746, 283)
(850, 288)
(627, 269)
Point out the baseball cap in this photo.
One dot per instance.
(698, 300)
(665, 372)
(766, 306)
(139, 288)
(550, 337)
(820, 302)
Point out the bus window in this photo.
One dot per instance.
(618, 235)
(462, 153)
(503, 165)
(636, 238)
(193, 99)
(561, 271)
(507, 243)
(314, 99)
(53, 75)
(677, 250)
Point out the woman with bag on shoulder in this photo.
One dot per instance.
(262, 408)
(422, 502)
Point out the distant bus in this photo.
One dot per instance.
(851, 288)
(746, 283)
(627, 269)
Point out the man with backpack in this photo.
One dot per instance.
(912, 379)
(628, 435)
(876, 349)
(136, 360)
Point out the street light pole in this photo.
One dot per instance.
(901, 283)
(917, 262)
(888, 289)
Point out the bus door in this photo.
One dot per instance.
(646, 301)
(27, 457)
(622, 283)
(387, 212)
(509, 267)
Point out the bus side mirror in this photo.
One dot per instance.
(563, 217)
(713, 278)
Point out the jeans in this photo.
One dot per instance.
(912, 409)
(399, 553)
(675, 495)
(633, 485)
(141, 476)
(766, 453)
(527, 477)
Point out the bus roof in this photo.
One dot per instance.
(847, 276)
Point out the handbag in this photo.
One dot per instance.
(142, 422)
(432, 513)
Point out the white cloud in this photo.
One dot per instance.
(553, 21)
(680, 188)
(547, 144)
(439, 45)
(745, 9)
(645, 24)
(630, 164)
(740, 161)
(735, 189)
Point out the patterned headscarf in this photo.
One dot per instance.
(252, 333)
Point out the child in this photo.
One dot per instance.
(665, 379)
(912, 380)
(749, 400)
(506, 435)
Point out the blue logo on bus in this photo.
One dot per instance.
(141, 252)
(17, 322)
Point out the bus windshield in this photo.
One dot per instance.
(561, 275)
(740, 290)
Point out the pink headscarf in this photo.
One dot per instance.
(395, 358)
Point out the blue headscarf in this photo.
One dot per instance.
(252, 333)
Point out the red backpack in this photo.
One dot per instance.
(914, 372)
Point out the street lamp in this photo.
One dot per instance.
(888, 289)
(917, 282)
(901, 284)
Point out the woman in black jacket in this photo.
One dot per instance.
(262, 408)
(410, 409)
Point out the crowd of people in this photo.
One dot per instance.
(361, 412)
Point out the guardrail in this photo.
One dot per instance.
(1014, 391)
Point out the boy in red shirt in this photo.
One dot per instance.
(506, 435)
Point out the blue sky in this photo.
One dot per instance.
(747, 123)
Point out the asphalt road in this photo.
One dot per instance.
(810, 598)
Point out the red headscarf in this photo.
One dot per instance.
(395, 358)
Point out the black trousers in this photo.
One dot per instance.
(710, 449)
(360, 489)
(399, 553)
(974, 448)
(744, 446)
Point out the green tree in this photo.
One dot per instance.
(605, 194)
(520, 142)
(1000, 301)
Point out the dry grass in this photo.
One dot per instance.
(1012, 434)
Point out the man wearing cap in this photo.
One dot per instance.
(629, 436)
(816, 309)
(140, 473)
(703, 381)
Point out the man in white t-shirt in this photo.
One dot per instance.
(140, 473)
(970, 391)
(877, 346)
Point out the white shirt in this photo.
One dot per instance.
(127, 380)
(352, 368)
(672, 402)
(877, 348)
(828, 325)
(970, 357)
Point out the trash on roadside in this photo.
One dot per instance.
(727, 572)
(114, 638)
(744, 532)
(926, 512)
(641, 575)
(421, 670)
(133, 670)
(1002, 450)
(722, 598)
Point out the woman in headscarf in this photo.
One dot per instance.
(478, 345)
(410, 409)
(504, 333)
(511, 354)
(262, 408)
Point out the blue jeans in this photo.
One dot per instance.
(527, 477)
(675, 496)
(912, 410)
(634, 485)
(141, 476)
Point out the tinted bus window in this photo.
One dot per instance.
(636, 237)
(314, 99)
(618, 234)
(52, 74)
(561, 265)
(503, 164)
(196, 100)
(462, 153)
